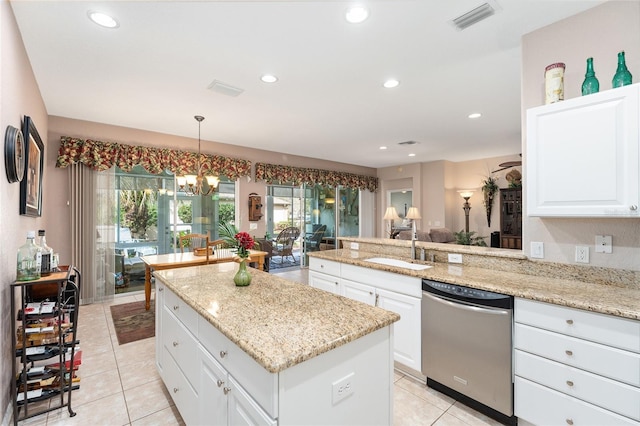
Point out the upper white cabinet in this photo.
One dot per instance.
(582, 156)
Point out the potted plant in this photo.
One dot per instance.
(469, 239)
(489, 189)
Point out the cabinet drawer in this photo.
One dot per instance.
(185, 313)
(260, 383)
(404, 284)
(324, 266)
(181, 344)
(606, 361)
(543, 406)
(184, 396)
(613, 331)
(606, 393)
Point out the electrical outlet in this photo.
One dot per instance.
(355, 246)
(582, 254)
(455, 257)
(603, 244)
(342, 388)
(537, 249)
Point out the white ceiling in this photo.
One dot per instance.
(153, 71)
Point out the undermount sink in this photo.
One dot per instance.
(398, 263)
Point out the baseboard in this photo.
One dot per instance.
(7, 419)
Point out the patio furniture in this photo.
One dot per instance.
(283, 245)
(312, 243)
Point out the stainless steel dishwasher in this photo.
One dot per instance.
(467, 346)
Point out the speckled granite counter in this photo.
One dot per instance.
(623, 301)
(277, 322)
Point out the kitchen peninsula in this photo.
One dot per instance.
(275, 352)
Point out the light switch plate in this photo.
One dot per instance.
(604, 244)
(355, 246)
(537, 250)
(455, 258)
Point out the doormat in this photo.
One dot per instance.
(278, 264)
(132, 322)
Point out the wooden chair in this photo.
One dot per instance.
(283, 245)
(190, 242)
(219, 250)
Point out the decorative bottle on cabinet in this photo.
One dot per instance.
(29, 259)
(622, 76)
(590, 84)
(46, 255)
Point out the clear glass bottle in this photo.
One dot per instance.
(29, 259)
(622, 76)
(47, 255)
(590, 84)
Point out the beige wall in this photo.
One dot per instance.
(600, 33)
(59, 126)
(19, 96)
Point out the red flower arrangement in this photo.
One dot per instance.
(245, 243)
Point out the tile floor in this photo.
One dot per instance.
(120, 385)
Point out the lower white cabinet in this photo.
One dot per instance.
(575, 367)
(394, 292)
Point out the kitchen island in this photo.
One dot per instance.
(275, 352)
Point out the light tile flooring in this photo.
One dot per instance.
(120, 385)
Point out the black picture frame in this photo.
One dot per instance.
(31, 185)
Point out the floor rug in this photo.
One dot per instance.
(284, 262)
(132, 322)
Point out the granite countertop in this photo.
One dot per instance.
(278, 323)
(606, 299)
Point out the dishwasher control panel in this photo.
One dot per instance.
(463, 293)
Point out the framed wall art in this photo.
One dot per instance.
(31, 184)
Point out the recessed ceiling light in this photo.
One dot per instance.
(412, 155)
(391, 83)
(268, 78)
(383, 147)
(475, 115)
(102, 19)
(356, 14)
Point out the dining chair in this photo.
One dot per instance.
(191, 242)
(219, 250)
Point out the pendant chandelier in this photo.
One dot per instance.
(194, 184)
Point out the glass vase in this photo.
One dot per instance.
(242, 278)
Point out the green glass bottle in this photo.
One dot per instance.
(622, 76)
(590, 84)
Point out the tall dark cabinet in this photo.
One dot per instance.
(511, 218)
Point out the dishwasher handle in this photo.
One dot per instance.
(466, 306)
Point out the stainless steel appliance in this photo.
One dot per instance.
(467, 347)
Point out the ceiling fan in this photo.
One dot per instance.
(508, 164)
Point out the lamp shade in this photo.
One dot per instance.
(391, 214)
(413, 213)
(466, 193)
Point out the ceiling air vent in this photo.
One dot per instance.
(224, 88)
(474, 16)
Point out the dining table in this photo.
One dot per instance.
(157, 262)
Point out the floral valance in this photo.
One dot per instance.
(273, 173)
(101, 156)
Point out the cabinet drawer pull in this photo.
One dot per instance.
(175, 344)
(377, 298)
(226, 390)
(568, 352)
(569, 321)
(569, 421)
(175, 307)
(220, 383)
(569, 383)
(175, 390)
(634, 207)
(223, 354)
(161, 289)
(322, 266)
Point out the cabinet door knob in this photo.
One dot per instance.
(226, 390)
(175, 390)
(569, 321)
(569, 421)
(161, 289)
(175, 307)
(175, 344)
(569, 383)
(223, 354)
(634, 207)
(220, 383)
(568, 352)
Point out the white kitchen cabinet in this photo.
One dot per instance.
(574, 366)
(394, 292)
(159, 304)
(583, 156)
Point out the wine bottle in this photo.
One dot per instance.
(590, 84)
(47, 254)
(29, 259)
(622, 77)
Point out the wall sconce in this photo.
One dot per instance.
(466, 194)
(391, 214)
